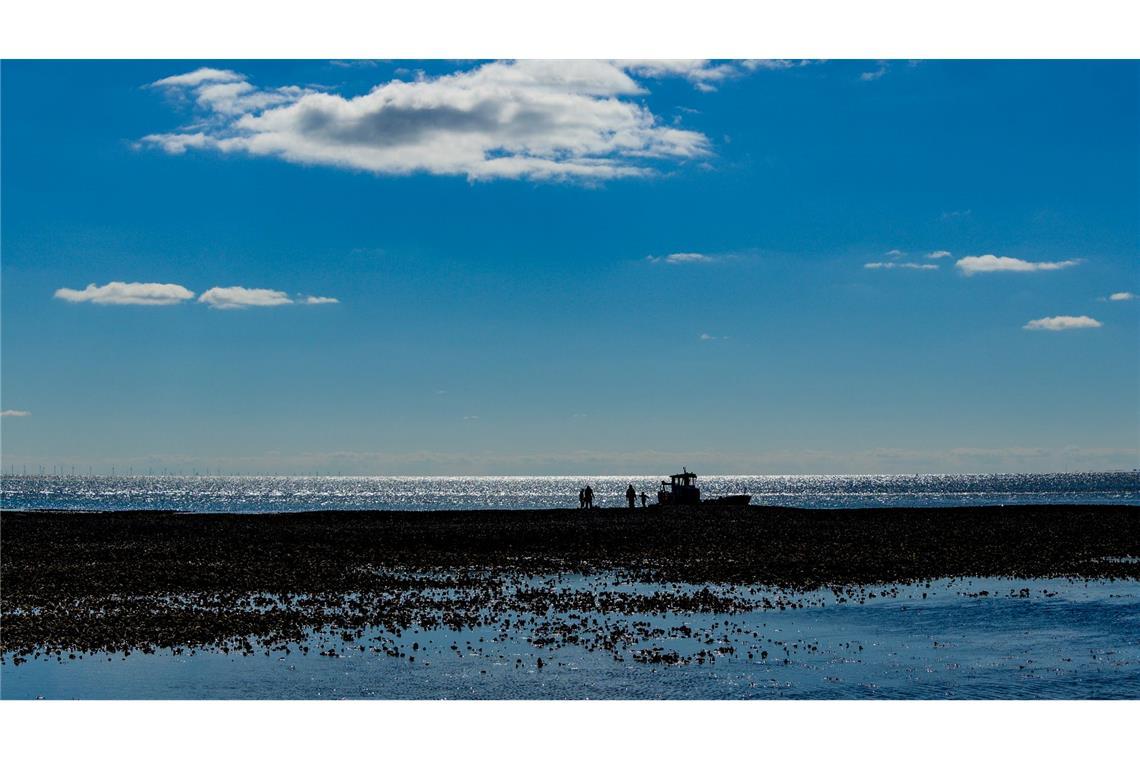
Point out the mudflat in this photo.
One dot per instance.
(122, 580)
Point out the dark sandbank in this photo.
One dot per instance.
(140, 580)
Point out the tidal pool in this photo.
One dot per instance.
(972, 638)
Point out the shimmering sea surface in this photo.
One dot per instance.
(237, 493)
(966, 638)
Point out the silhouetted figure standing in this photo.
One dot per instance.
(643, 498)
(589, 497)
(630, 495)
(581, 498)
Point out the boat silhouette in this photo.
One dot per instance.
(682, 490)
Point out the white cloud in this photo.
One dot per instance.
(701, 73)
(15, 413)
(159, 294)
(514, 119)
(127, 293)
(970, 265)
(1061, 323)
(896, 262)
(774, 64)
(897, 265)
(688, 258)
(706, 336)
(871, 76)
(198, 77)
(178, 144)
(354, 63)
(238, 297)
(1123, 296)
(232, 99)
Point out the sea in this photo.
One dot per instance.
(284, 493)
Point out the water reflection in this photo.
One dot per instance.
(289, 493)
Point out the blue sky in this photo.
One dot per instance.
(492, 249)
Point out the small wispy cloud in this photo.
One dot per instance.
(128, 294)
(939, 255)
(896, 262)
(707, 336)
(702, 74)
(15, 413)
(318, 300)
(237, 297)
(705, 74)
(470, 417)
(689, 258)
(1061, 323)
(897, 265)
(871, 76)
(1122, 296)
(948, 215)
(774, 64)
(971, 265)
(355, 63)
(199, 77)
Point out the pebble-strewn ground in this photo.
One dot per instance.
(121, 582)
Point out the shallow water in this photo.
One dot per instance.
(236, 493)
(1021, 639)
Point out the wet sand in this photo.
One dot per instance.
(140, 581)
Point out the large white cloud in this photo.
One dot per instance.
(237, 297)
(536, 119)
(1061, 323)
(970, 265)
(127, 293)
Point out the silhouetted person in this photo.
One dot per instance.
(630, 495)
(589, 497)
(643, 498)
(581, 498)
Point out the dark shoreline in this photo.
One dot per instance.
(121, 580)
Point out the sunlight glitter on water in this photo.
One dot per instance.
(238, 493)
